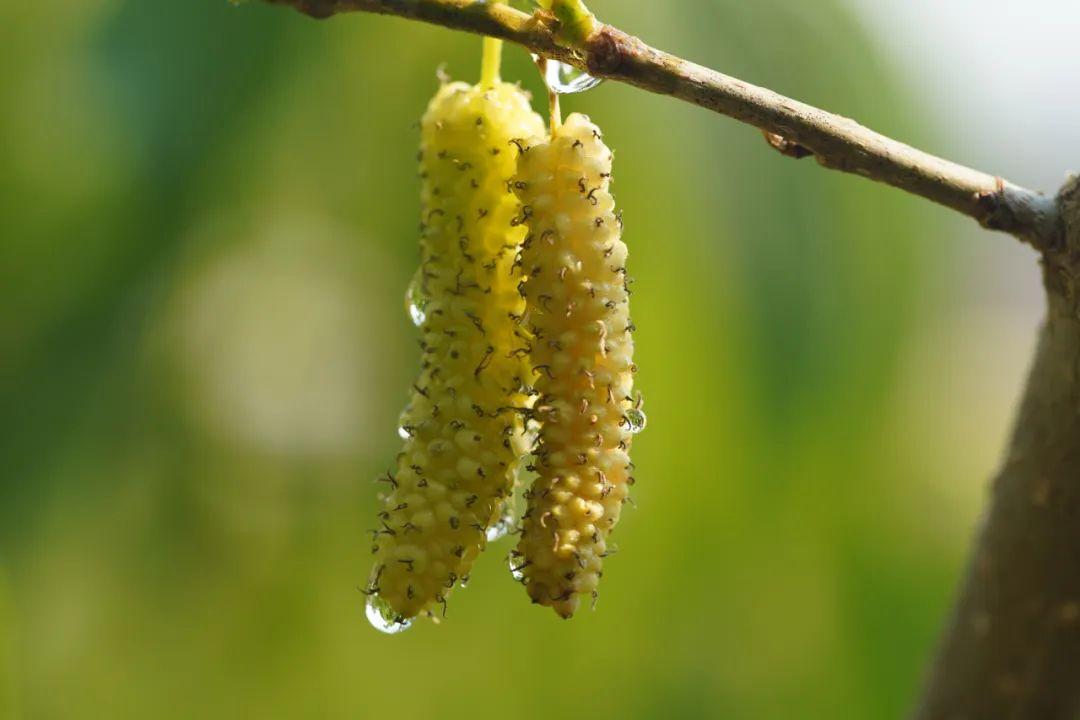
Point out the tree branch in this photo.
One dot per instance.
(1012, 649)
(794, 128)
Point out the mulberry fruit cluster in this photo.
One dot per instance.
(463, 435)
(523, 307)
(582, 350)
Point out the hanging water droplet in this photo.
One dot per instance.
(567, 79)
(383, 618)
(501, 527)
(415, 302)
(635, 420)
(517, 567)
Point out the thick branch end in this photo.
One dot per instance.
(1031, 216)
(1061, 261)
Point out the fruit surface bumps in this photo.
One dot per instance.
(578, 314)
(463, 437)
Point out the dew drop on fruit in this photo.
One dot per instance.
(501, 527)
(383, 618)
(415, 302)
(567, 79)
(635, 420)
(516, 567)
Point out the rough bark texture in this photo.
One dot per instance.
(1013, 647)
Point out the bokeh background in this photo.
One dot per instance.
(207, 224)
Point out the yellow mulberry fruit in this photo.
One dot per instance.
(578, 315)
(462, 427)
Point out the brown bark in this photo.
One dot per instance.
(1013, 646)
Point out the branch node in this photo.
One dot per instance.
(605, 50)
(786, 147)
(992, 206)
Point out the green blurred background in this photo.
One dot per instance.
(208, 224)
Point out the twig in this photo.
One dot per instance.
(794, 128)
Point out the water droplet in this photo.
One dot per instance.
(567, 79)
(517, 567)
(501, 527)
(415, 302)
(403, 432)
(383, 618)
(635, 420)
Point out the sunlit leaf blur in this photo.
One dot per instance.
(207, 224)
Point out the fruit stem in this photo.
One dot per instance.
(556, 113)
(491, 61)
